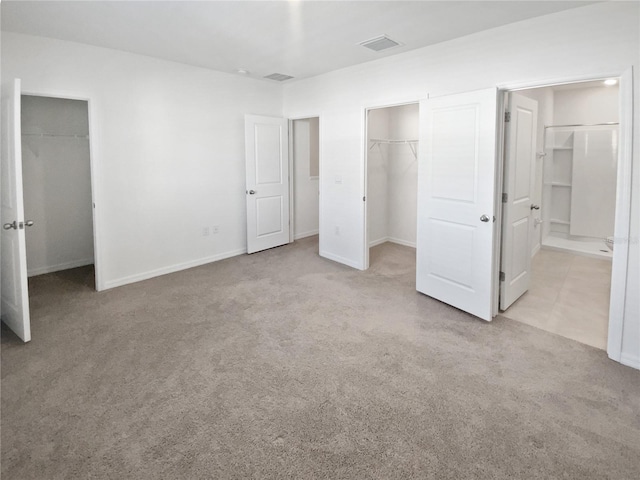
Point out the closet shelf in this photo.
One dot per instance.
(42, 135)
(558, 184)
(380, 141)
(561, 222)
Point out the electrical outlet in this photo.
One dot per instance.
(205, 231)
(215, 229)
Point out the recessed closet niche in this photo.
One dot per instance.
(57, 183)
(392, 175)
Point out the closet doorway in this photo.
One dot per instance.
(391, 185)
(573, 164)
(304, 134)
(56, 164)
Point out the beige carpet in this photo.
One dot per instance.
(285, 365)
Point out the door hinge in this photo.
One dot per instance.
(364, 199)
(502, 276)
(507, 116)
(505, 197)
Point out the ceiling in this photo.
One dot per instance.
(298, 38)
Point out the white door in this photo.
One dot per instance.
(456, 200)
(15, 295)
(267, 160)
(517, 218)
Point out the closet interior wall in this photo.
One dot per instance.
(57, 183)
(392, 172)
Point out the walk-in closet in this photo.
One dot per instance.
(57, 184)
(392, 172)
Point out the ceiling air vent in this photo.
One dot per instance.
(279, 77)
(380, 43)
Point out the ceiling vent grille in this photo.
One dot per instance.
(279, 77)
(380, 43)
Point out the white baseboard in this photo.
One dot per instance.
(298, 236)
(61, 266)
(171, 269)
(339, 259)
(379, 241)
(535, 250)
(402, 242)
(399, 241)
(630, 361)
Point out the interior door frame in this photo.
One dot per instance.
(622, 227)
(93, 167)
(365, 161)
(292, 175)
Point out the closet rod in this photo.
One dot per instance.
(584, 125)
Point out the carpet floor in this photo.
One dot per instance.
(282, 364)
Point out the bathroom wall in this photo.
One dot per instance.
(57, 184)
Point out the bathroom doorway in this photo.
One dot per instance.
(573, 164)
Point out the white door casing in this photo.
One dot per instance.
(267, 182)
(456, 200)
(15, 295)
(519, 179)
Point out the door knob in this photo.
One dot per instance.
(9, 226)
(252, 192)
(535, 207)
(29, 223)
(484, 218)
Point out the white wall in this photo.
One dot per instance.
(403, 175)
(598, 40)
(586, 105)
(167, 146)
(378, 178)
(305, 187)
(57, 184)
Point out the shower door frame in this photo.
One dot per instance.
(624, 180)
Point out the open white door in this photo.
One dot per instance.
(15, 294)
(456, 200)
(267, 160)
(517, 219)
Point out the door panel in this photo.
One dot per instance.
(267, 182)
(456, 187)
(519, 179)
(15, 295)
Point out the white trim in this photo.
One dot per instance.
(379, 241)
(339, 259)
(94, 165)
(172, 268)
(535, 250)
(60, 266)
(311, 233)
(404, 243)
(623, 199)
(628, 360)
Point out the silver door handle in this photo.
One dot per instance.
(9, 226)
(484, 218)
(29, 223)
(252, 192)
(535, 207)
